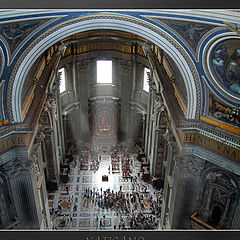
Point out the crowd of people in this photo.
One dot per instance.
(140, 208)
(89, 157)
(126, 169)
(115, 163)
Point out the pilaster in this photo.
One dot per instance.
(23, 181)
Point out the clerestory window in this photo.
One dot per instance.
(104, 71)
(145, 79)
(62, 80)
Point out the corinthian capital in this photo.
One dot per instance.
(189, 164)
(18, 167)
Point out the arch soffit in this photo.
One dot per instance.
(99, 21)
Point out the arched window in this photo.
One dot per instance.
(104, 71)
(145, 79)
(62, 80)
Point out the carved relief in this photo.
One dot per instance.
(52, 106)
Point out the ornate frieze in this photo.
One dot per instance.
(14, 140)
(211, 144)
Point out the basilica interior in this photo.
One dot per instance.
(119, 120)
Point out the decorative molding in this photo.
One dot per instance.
(214, 134)
(198, 139)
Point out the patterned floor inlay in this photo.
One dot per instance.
(106, 222)
(81, 212)
(84, 214)
(121, 179)
(65, 204)
(125, 187)
(74, 223)
(84, 222)
(86, 179)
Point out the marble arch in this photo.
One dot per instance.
(100, 21)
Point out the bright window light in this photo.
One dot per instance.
(145, 80)
(62, 80)
(104, 71)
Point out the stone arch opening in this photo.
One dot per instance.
(97, 22)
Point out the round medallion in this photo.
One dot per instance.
(225, 65)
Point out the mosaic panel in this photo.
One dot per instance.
(191, 32)
(225, 61)
(14, 33)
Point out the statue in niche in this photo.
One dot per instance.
(5, 203)
(51, 104)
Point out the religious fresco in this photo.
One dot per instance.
(222, 112)
(15, 32)
(225, 61)
(191, 32)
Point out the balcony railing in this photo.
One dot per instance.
(199, 223)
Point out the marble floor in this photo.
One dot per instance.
(86, 214)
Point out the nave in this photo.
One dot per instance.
(105, 191)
